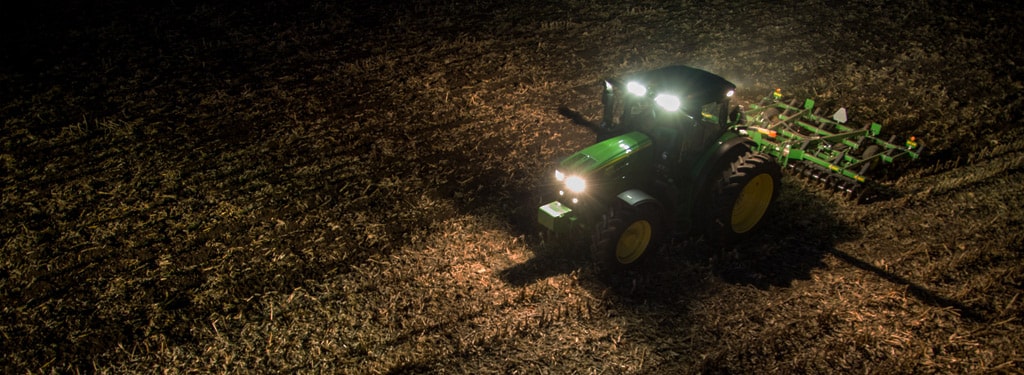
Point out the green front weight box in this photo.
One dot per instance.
(556, 217)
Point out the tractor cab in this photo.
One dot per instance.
(681, 109)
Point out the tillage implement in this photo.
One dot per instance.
(674, 156)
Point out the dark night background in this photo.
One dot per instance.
(351, 188)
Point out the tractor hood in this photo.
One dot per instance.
(605, 168)
(602, 155)
(588, 179)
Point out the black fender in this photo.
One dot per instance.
(723, 152)
(637, 197)
(641, 200)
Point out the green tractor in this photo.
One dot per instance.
(674, 156)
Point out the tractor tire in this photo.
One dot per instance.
(626, 236)
(741, 196)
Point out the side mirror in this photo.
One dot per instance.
(736, 116)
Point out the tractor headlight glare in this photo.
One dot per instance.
(575, 184)
(559, 175)
(636, 88)
(670, 103)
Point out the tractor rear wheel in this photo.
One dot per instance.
(626, 236)
(741, 196)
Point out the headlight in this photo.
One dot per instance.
(575, 184)
(669, 102)
(636, 88)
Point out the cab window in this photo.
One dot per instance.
(709, 112)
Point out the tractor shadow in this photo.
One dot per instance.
(801, 231)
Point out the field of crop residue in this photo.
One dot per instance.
(279, 186)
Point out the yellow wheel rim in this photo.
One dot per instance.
(752, 203)
(633, 242)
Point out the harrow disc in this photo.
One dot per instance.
(819, 178)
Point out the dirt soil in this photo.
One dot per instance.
(309, 186)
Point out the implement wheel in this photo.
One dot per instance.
(741, 196)
(626, 236)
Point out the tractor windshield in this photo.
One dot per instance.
(626, 111)
(668, 96)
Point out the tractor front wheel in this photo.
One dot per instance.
(626, 236)
(741, 196)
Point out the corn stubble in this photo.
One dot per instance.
(318, 188)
